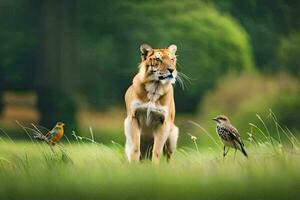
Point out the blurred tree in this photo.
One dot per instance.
(56, 74)
(106, 50)
(289, 52)
(17, 38)
(266, 21)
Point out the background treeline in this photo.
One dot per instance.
(75, 51)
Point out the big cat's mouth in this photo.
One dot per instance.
(170, 76)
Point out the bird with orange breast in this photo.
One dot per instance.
(53, 136)
(56, 133)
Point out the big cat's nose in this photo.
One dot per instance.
(170, 70)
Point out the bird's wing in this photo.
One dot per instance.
(52, 133)
(234, 133)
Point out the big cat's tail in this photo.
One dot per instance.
(244, 151)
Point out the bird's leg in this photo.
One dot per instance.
(225, 152)
(235, 153)
(235, 147)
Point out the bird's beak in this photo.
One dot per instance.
(215, 119)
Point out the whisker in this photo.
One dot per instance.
(186, 77)
(185, 84)
(183, 80)
(180, 82)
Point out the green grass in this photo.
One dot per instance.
(86, 169)
(90, 171)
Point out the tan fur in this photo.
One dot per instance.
(150, 104)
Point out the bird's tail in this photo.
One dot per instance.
(41, 137)
(244, 151)
(44, 138)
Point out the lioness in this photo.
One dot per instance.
(150, 105)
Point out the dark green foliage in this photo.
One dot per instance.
(289, 53)
(18, 42)
(266, 21)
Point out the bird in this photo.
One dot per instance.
(229, 135)
(54, 135)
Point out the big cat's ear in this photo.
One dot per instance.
(172, 48)
(145, 50)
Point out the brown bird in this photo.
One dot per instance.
(229, 135)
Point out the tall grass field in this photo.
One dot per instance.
(85, 169)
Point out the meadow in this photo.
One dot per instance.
(86, 169)
(72, 61)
